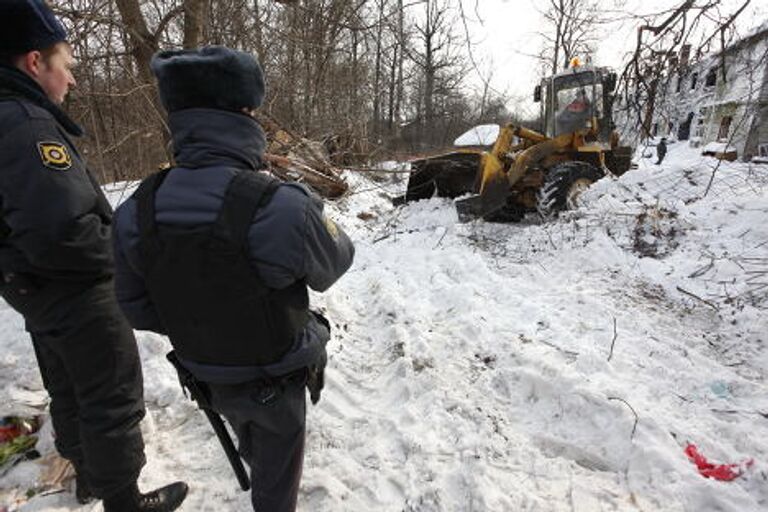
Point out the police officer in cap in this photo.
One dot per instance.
(219, 256)
(57, 268)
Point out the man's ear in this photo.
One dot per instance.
(31, 62)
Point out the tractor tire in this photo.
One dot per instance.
(563, 185)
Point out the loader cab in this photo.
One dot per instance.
(571, 99)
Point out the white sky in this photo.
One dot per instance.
(509, 36)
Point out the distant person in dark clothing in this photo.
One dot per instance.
(219, 257)
(661, 150)
(56, 268)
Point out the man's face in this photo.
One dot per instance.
(54, 73)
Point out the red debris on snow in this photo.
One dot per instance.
(722, 472)
(9, 432)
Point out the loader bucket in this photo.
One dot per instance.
(493, 188)
(447, 175)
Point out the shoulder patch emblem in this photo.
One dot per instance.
(331, 227)
(54, 155)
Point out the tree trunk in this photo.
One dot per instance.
(194, 21)
(143, 42)
(377, 72)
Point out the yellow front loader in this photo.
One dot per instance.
(530, 171)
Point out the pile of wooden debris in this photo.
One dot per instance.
(293, 158)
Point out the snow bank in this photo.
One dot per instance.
(481, 135)
(718, 147)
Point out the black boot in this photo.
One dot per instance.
(165, 499)
(83, 492)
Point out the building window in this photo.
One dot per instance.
(700, 128)
(679, 83)
(694, 79)
(700, 125)
(725, 127)
(711, 79)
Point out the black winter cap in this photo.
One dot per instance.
(208, 77)
(27, 25)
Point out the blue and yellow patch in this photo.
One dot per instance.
(331, 227)
(54, 155)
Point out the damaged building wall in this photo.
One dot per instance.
(720, 98)
(757, 141)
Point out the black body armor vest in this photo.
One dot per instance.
(210, 298)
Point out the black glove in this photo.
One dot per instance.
(316, 372)
(315, 382)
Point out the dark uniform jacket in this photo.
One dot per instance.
(290, 239)
(54, 220)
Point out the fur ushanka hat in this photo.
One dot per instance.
(208, 77)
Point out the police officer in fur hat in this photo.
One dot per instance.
(219, 256)
(56, 268)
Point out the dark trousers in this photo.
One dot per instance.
(269, 421)
(91, 369)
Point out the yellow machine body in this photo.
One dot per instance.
(512, 173)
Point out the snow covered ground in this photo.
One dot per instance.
(522, 367)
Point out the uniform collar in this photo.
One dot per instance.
(19, 84)
(205, 137)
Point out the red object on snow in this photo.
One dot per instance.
(722, 472)
(9, 432)
(12, 427)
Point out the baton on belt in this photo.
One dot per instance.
(198, 393)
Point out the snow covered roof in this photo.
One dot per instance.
(758, 33)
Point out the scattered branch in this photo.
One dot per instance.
(637, 418)
(693, 295)
(613, 341)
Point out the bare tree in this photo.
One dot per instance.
(436, 54)
(571, 30)
(357, 75)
